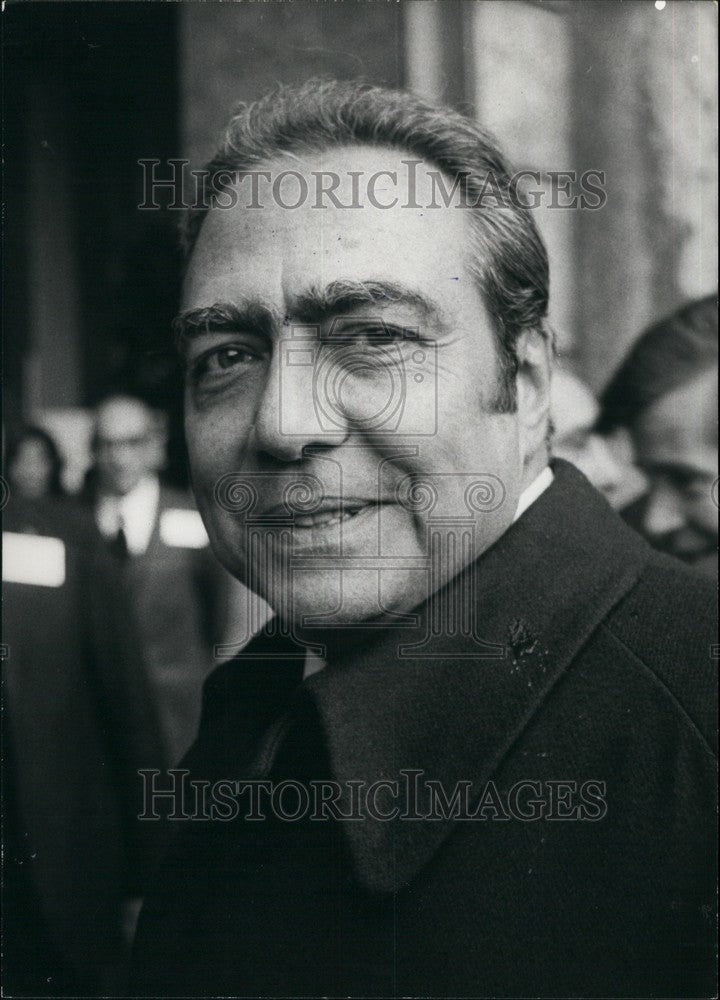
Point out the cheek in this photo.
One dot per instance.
(471, 476)
(208, 451)
(476, 442)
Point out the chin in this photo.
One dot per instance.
(347, 599)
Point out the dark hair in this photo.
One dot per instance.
(667, 355)
(32, 433)
(508, 256)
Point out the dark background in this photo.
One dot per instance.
(90, 89)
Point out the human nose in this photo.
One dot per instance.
(663, 510)
(292, 413)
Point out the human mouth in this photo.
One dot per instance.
(332, 515)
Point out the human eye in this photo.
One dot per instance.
(225, 361)
(385, 334)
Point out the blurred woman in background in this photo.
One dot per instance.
(34, 465)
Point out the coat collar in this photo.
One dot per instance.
(452, 703)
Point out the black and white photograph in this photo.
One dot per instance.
(360, 498)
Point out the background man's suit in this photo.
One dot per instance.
(178, 594)
(606, 674)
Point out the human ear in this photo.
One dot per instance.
(534, 353)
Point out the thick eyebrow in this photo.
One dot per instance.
(311, 307)
(221, 317)
(339, 297)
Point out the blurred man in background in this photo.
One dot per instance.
(176, 586)
(606, 462)
(666, 394)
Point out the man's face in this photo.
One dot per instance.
(349, 350)
(128, 445)
(677, 445)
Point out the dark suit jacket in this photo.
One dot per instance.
(78, 723)
(597, 672)
(178, 595)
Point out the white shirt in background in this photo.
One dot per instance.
(135, 513)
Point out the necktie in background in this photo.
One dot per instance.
(118, 543)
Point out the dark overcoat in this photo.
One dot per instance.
(575, 716)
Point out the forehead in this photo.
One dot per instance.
(122, 418)
(275, 252)
(682, 423)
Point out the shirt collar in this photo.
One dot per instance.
(531, 493)
(135, 513)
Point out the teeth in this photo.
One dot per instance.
(324, 519)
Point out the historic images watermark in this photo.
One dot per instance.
(411, 797)
(174, 185)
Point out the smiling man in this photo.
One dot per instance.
(471, 753)
(357, 353)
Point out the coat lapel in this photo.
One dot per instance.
(540, 591)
